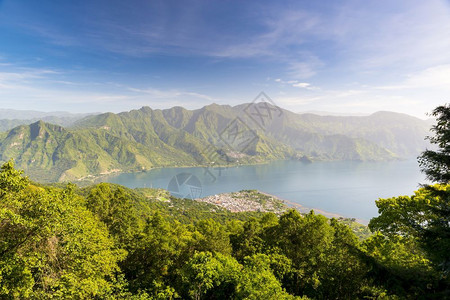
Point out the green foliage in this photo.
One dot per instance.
(344, 272)
(50, 244)
(258, 281)
(401, 266)
(214, 237)
(115, 208)
(106, 241)
(436, 164)
(309, 254)
(211, 276)
(424, 217)
(11, 180)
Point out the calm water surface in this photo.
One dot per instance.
(345, 188)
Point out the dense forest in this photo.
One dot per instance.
(106, 242)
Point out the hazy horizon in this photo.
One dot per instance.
(316, 112)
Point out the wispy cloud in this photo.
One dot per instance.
(297, 84)
(281, 28)
(337, 55)
(169, 94)
(434, 77)
(41, 88)
(409, 35)
(21, 78)
(25, 73)
(157, 28)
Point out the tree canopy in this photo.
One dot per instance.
(436, 163)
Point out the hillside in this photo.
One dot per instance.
(51, 153)
(63, 241)
(399, 133)
(146, 138)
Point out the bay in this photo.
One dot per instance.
(346, 188)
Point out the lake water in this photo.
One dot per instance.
(345, 188)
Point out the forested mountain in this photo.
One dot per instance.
(399, 133)
(215, 134)
(50, 152)
(106, 241)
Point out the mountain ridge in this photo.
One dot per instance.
(145, 138)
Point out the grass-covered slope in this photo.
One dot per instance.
(50, 153)
(146, 138)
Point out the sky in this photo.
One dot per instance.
(342, 56)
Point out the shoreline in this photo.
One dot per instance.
(250, 200)
(93, 178)
(304, 209)
(290, 203)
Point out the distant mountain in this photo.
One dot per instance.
(7, 124)
(11, 114)
(10, 118)
(215, 134)
(329, 113)
(401, 134)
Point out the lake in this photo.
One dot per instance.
(345, 188)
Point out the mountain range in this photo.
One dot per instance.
(78, 147)
(10, 118)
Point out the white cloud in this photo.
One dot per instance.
(165, 94)
(411, 34)
(438, 76)
(304, 68)
(297, 84)
(433, 77)
(20, 78)
(301, 85)
(25, 73)
(43, 88)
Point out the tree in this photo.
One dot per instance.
(249, 240)
(258, 281)
(156, 254)
(400, 266)
(213, 237)
(305, 241)
(211, 276)
(343, 273)
(50, 244)
(424, 216)
(436, 164)
(115, 208)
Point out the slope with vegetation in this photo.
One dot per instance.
(145, 138)
(107, 241)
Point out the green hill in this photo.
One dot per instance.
(146, 138)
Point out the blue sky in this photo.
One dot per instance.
(339, 56)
